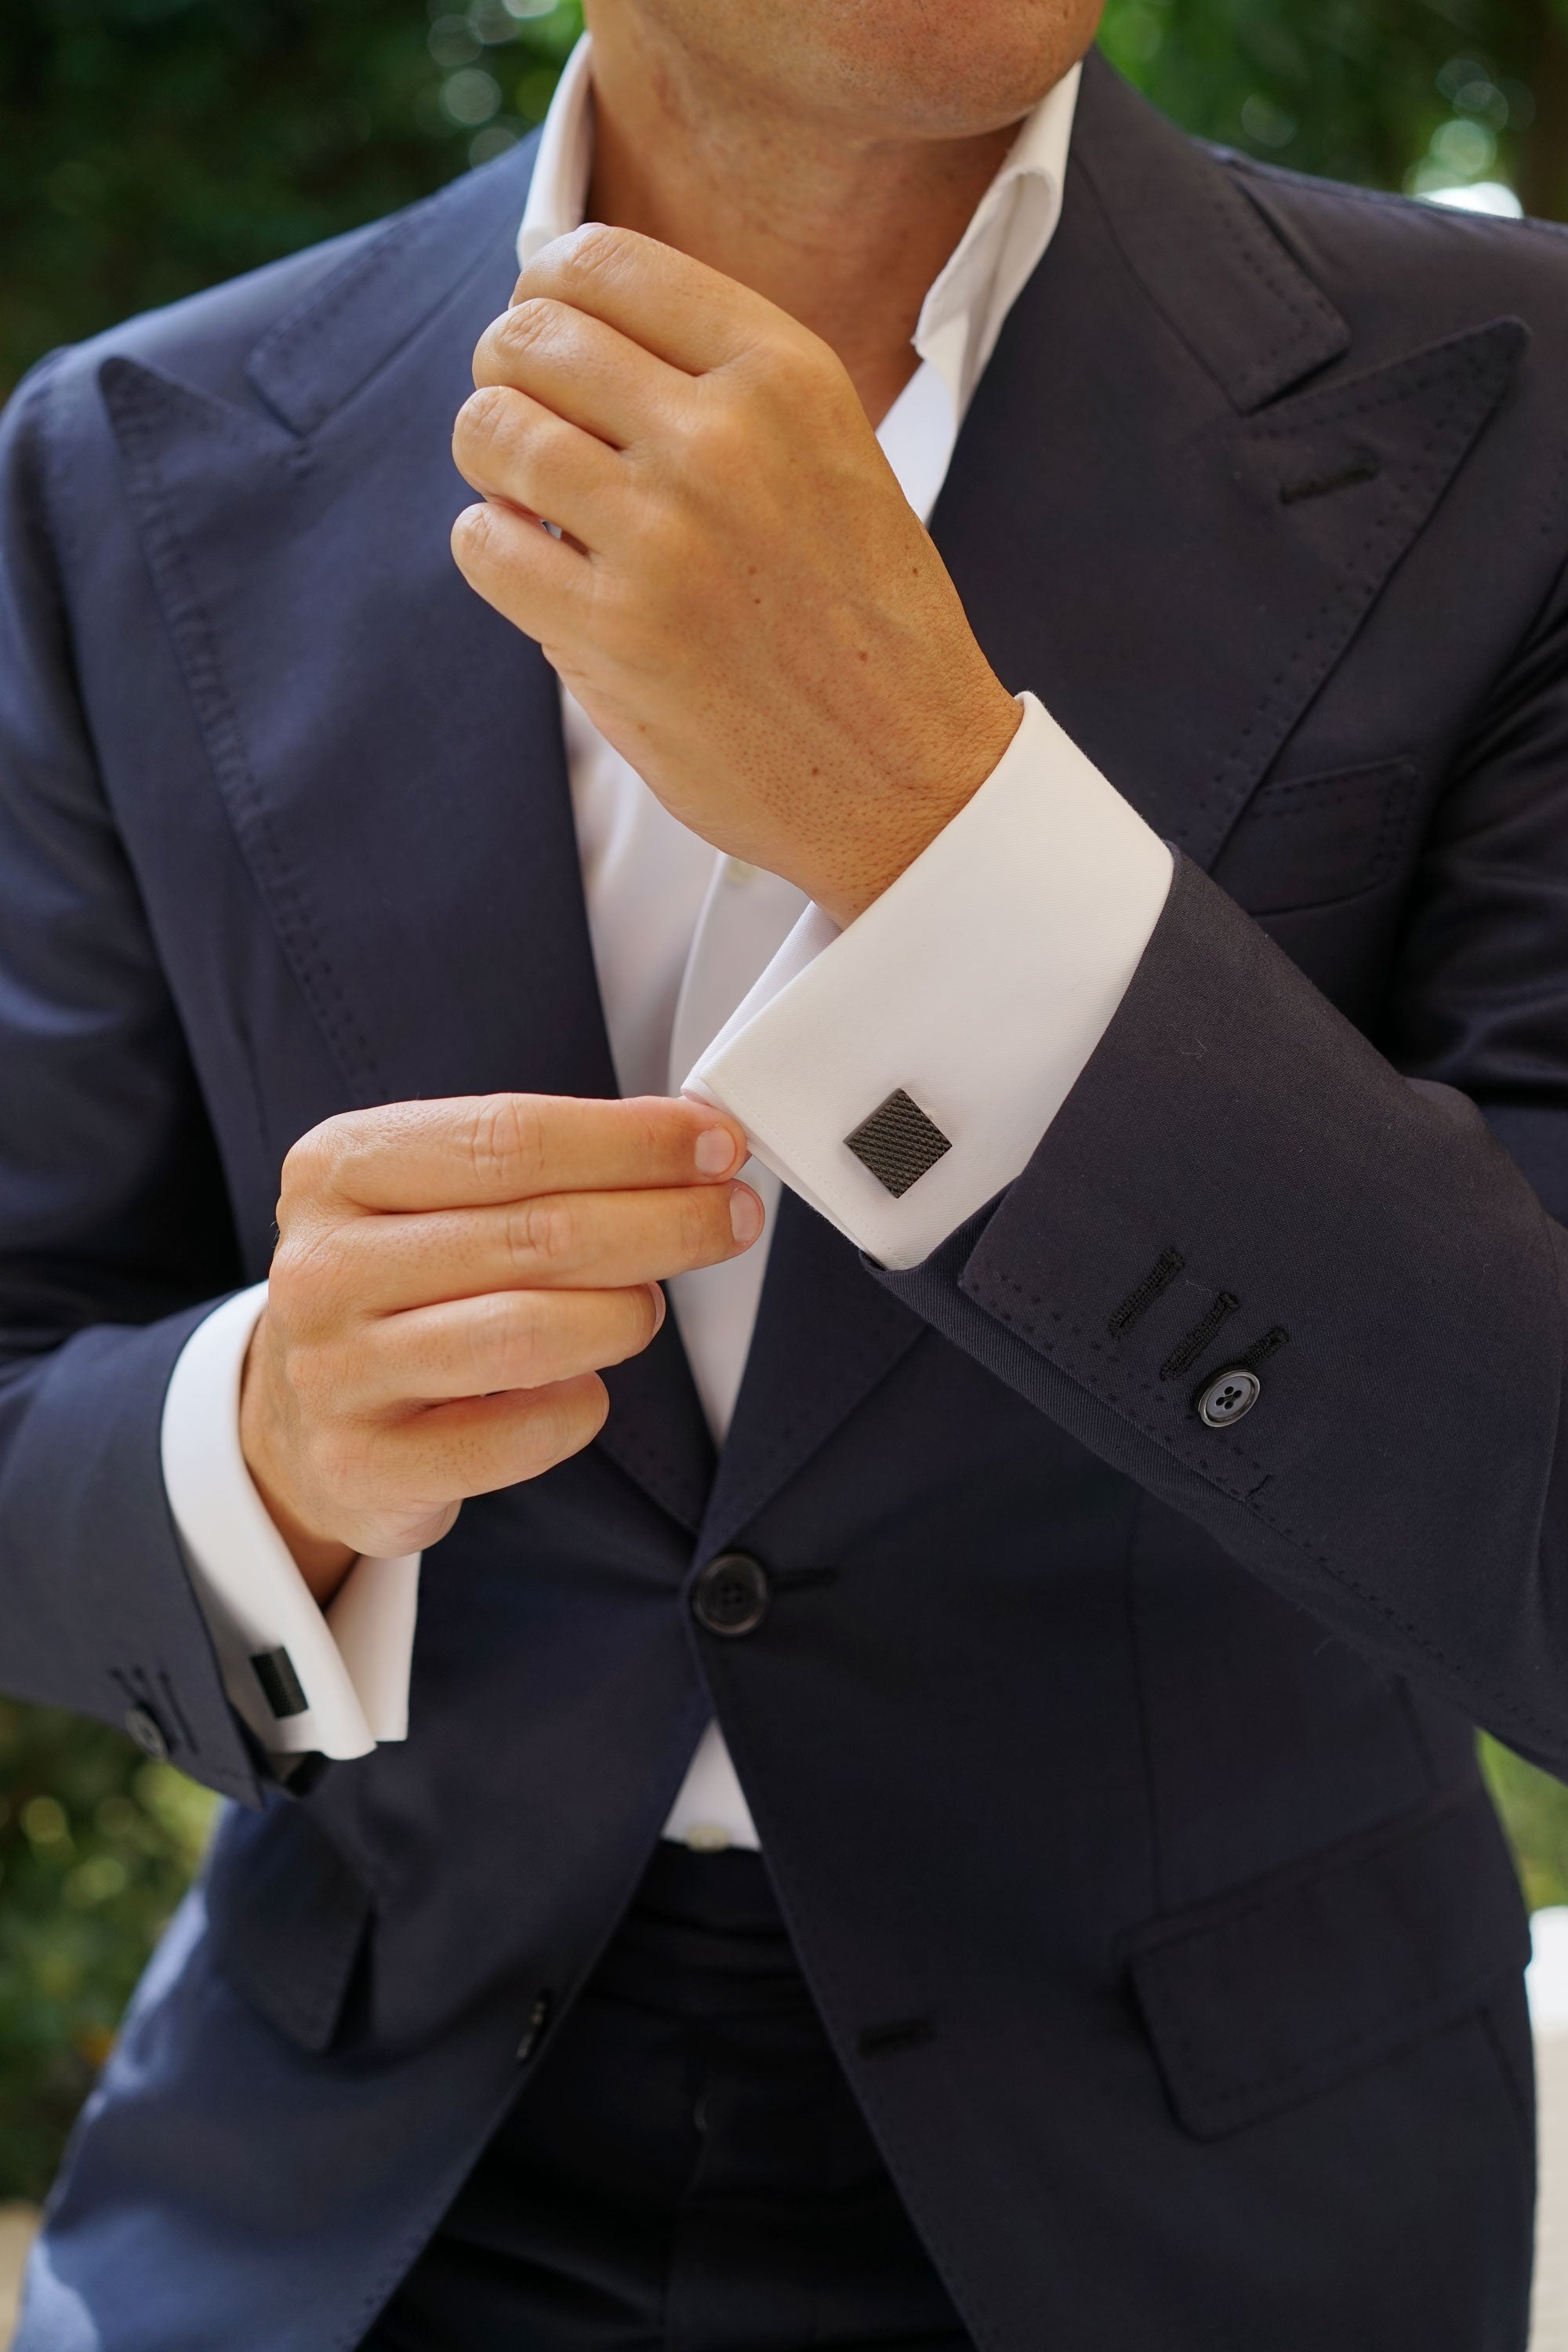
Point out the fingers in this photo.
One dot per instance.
(508, 446)
(580, 367)
(479, 1150)
(443, 1453)
(678, 308)
(511, 1339)
(600, 1241)
(537, 583)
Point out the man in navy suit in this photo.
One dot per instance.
(925, 1161)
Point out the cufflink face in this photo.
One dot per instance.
(280, 1687)
(897, 1143)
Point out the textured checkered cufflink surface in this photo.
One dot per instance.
(897, 1143)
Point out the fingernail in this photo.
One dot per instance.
(746, 1214)
(715, 1152)
(659, 1309)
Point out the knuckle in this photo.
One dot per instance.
(597, 251)
(536, 320)
(725, 438)
(293, 1281)
(801, 365)
(544, 1232)
(810, 367)
(572, 1416)
(310, 1166)
(474, 536)
(510, 1344)
(506, 1142)
(482, 416)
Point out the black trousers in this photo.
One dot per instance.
(688, 2171)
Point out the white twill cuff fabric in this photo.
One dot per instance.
(979, 985)
(351, 1663)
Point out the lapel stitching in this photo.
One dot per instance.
(1263, 323)
(1472, 369)
(138, 402)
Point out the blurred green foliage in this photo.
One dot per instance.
(151, 147)
(1421, 94)
(1534, 1808)
(96, 1845)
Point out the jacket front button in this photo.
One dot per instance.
(731, 1596)
(1227, 1398)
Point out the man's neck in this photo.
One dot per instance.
(845, 234)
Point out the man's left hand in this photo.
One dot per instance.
(742, 600)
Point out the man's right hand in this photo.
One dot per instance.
(450, 1278)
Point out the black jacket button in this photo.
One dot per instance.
(1227, 1399)
(147, 1732)
(731, 1596)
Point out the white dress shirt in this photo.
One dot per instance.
(979, 985)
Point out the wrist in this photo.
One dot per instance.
(883, 844)
(323, 1560)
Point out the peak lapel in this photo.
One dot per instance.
(1174, 566)
(389, 750)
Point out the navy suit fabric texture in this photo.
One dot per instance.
(1115, 1773)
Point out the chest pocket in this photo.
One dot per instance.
(1307, 841)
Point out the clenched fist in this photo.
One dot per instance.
(450, 1278)
(742, 602)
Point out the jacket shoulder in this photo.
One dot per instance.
(1401, 269)
(204, 341)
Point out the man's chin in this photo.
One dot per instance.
(889, 67)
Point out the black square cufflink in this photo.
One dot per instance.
(281, 1686)
(897, 1143)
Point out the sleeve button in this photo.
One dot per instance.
(148, 1733)
(1228, 1398)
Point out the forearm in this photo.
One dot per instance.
(1395, 1281)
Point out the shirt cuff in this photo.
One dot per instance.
(334, 1683)
(900, 1074)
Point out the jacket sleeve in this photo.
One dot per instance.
(1242, 1181)
(115, 1233)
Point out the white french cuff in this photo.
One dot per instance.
(977, 987)
(333, 1682)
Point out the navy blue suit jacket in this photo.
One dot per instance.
(1125, 1761)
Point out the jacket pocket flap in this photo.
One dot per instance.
(1257, 2001)
(1309, 841)
(288, 1918)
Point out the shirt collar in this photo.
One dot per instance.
(966, 307)
(994, 260)
(558, 192)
